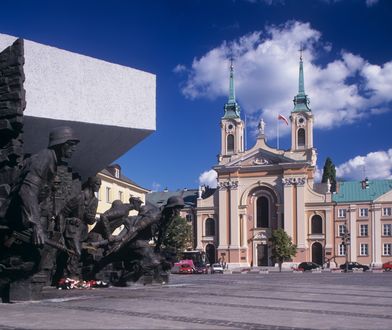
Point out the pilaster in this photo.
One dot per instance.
(353, 233)
(234, 217)
(376, 235)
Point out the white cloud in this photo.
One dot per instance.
(375, 165)
(208, 178)
(266, 77)
(318, 174)
(370, 3)
(180, 68)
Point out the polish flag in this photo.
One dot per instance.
(281, 117)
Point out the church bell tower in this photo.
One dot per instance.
(301, 117)
(232, 127)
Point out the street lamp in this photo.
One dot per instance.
(346, 243)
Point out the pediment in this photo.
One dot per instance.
(260, 157)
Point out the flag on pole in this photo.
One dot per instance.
(281, 117)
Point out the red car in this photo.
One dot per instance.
(387, 266)
(185, 269)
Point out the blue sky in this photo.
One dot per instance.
(347, 62)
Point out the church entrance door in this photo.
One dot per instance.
(262, 255)
(317, 253)
(211, 253)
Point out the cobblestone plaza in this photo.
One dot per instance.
(230, 301)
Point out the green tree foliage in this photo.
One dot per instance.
(179, 236)
(282, 247)
(329, 172)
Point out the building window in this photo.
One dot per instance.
(210, 227)
(117, 173)
(387, 248)
(387, 211)
(342, 230)
(341, 213)
(387, 230)
(107, 195)
(363, 250)
(188, 217)
(262, 212)
(120, 196)
(342, 250)
(230, 143)
(363, 230)
(317, 225)
(363, 212)
(301, 138)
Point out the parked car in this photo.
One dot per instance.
(308, 265)
(217, 268)
(387, 266)
(185, 269)
(354, 265)
(201, 269)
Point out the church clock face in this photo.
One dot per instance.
(230, 128)
(301, 121)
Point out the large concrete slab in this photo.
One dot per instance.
(111, 107)
(244, 301)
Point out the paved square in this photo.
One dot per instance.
(236, 301)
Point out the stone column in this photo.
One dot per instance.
(199, 229)
(376, 235)
(223, 243)
(244, 231)
(234, 217)
(353, 233)
(329, 238)
(301, 221)
(288, 208)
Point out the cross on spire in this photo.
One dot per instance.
(301, 49)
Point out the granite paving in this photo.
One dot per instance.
(216, 301)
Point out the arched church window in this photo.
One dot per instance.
(230, 143)
(262, 212)
(301, 138)
(317, 225)
(210, 227)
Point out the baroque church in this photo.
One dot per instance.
(264, 188)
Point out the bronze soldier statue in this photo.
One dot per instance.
(35, 182)
(22, 220)
(79, 212)
(132, 246)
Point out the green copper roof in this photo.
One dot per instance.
(301, 100)
(352, 191)
(232, 109)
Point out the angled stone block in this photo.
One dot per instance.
(110, 107)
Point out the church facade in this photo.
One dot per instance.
(264, 188)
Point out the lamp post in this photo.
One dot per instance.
(346, 243)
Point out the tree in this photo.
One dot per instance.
(179, 236)
(282, 247)
(329, 172)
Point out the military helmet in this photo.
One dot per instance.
(175, 201)
(117, 203)
(60, 135)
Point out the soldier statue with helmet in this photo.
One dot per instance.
(132, 246)
(22, 217)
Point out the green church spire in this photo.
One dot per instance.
(232, 109)
(301, 100)
(231, 88)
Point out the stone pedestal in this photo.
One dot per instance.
(30, 289)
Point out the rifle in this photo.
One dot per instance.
(133, 233)
(25, 236)
(95, 245)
